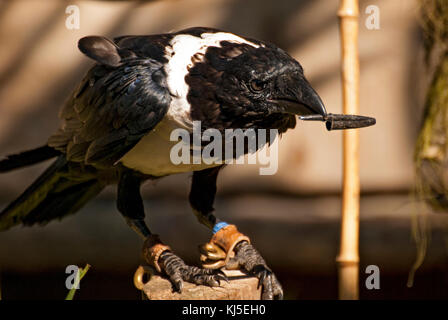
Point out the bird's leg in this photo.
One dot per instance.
(228, 247)
(157, 254)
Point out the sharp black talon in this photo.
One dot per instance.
(223, 275)
(215, 283)
(260, 281)
(220, 272)
(220, 277)
(178, 286)
(262, 276)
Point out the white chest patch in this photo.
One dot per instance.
(151, 155)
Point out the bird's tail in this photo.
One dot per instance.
(55, 194)
(27, 158)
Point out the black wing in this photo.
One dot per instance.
(120, 100)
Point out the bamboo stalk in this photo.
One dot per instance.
(348, 258)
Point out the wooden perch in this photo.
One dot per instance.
(240, 287)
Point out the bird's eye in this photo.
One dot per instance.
(257, 85)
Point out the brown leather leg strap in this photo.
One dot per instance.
(227, 238)
(152, 249)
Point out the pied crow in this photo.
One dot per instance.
(116, 130)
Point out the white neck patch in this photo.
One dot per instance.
(183, 48)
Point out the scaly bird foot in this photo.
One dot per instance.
(178, 271)
(247, 257)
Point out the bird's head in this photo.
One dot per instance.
(249, 81)
(270, 81)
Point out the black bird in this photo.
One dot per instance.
(116, 130)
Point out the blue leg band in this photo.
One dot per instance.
(219, 226)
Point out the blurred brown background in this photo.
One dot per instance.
(293, 216)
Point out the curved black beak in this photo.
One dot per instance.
(301, 100)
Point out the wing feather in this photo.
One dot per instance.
(112, 109)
